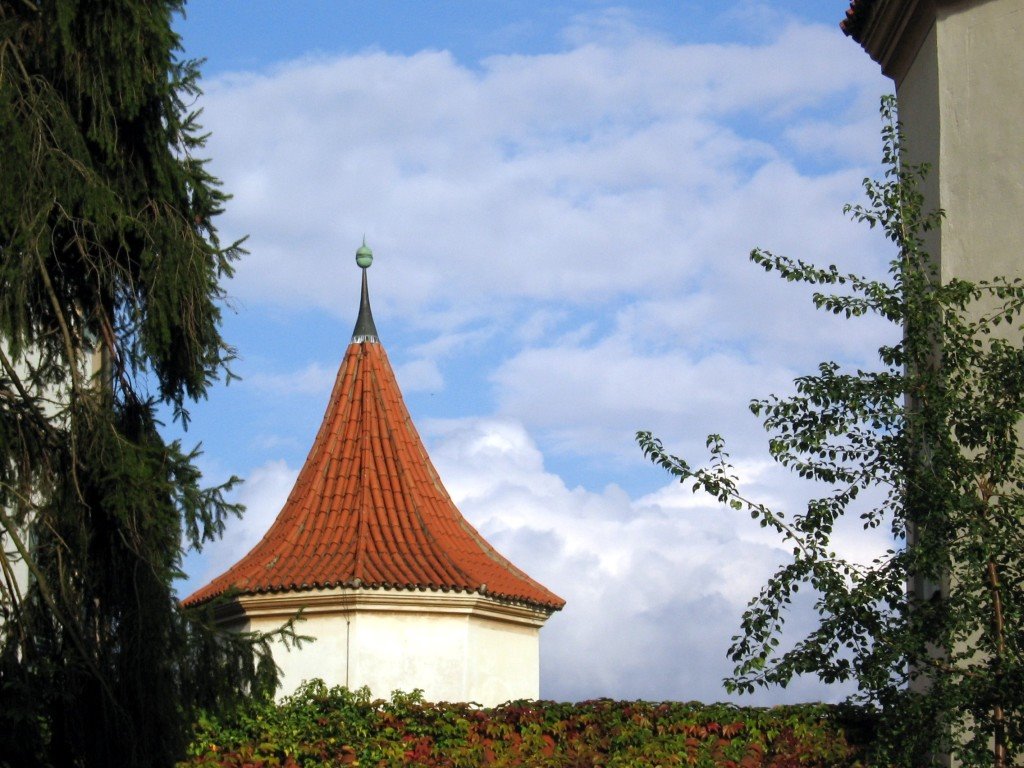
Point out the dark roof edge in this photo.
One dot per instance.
(856, 17)
(549, 607)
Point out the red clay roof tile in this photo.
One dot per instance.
(369, 509)
(856, 18)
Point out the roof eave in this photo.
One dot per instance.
(890, 31)
(284, 604)
(227, 595)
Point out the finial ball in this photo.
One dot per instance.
(364, 256)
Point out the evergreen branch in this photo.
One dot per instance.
(48, 596)
(69, 346)
(12, 374)
(39, 420)
(108, 242)
(72, 367)
(13, 595)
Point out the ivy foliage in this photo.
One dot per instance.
(110, 308)
(318, 726)
(934, 432)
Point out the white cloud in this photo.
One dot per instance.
(263, 494)
(419, 376)
(623, 178)
(572, 228)
(855, 141)
(654, 586)
(569, 177)
(312, 379)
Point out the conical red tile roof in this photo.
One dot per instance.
(369, 510)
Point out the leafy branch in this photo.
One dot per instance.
(935, 434)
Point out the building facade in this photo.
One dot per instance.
(958, 66)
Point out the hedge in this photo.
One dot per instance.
(318, 726)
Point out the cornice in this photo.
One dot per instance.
(894, 31)
(342, 601)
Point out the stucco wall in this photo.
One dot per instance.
(962, 108)
(919, 114)
(453, 647)
(960, 101)
(504, 660)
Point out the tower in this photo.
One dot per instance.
(397, 588)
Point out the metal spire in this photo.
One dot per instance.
(365, 330)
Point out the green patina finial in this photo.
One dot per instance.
(365, 331)
(364, 256)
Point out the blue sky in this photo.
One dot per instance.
(561, 198)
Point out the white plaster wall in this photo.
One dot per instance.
(8, 548)
(962, 109)
(324, 658)
(450, 656)
(981, 164)
(403, 651)
(504, 661)
(919, 114)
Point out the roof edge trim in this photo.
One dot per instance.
(347, 599)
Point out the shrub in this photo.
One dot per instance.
(320, 726)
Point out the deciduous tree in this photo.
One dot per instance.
(931, 631)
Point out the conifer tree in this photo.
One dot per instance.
(110, 270)
(932, 631)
